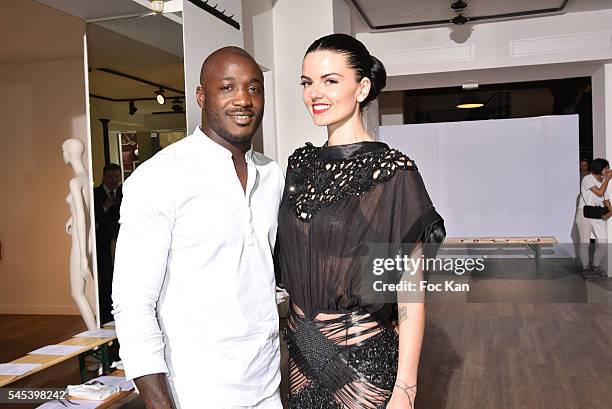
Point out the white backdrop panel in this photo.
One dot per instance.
(510, 177)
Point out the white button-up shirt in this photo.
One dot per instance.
(194, 287)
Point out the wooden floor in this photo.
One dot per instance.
(489, 356)
(517, 356)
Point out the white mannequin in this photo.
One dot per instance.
(79, 202)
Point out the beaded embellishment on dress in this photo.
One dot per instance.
(332, 366)
(317, 182)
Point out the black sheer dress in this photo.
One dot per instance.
(343, 352)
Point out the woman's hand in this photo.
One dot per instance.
(69, 226)
(402, 398)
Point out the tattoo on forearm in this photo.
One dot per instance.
(402, 314)
(409, 390)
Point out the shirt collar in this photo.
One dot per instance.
(218, 149)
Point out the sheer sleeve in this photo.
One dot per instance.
(417, 219)
(345, 208)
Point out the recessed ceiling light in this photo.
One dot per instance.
(469, 101)
(470, 105)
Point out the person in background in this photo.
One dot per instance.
(594, 192)
(107, 200)
(584, 168)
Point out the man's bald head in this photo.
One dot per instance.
(231, 95)
(222, 55)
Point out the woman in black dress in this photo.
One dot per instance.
(341, 201)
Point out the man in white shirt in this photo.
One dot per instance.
(194, 289)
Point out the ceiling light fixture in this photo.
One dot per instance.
(459, 19)
(133, 108)
(157, 6)
(468, 99)
(458, 5)
(161, 99)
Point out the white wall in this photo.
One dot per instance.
(258, 31)
(203, 34)
(45, 105)
(507, 177)
(296, 26)
(602, 111)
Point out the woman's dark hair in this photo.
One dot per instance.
(598, 165)
(358, 58)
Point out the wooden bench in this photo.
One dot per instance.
(535, 243)
(96, 347)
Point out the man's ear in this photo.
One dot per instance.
(200, 96)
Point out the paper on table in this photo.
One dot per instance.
(16, 369)
(98, 333)
(82, 404)
(56, 350)
(117, 365)
(119, 381)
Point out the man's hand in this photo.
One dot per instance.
(155, 391)
(109, 202)
(606, 216)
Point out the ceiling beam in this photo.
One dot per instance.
(142, 80)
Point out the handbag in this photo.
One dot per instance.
(593, 212)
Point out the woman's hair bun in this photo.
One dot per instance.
(378, 78)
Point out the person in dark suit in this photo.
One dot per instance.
(107, 200)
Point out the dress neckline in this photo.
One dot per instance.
(348, 150)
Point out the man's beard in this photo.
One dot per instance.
(216, 124)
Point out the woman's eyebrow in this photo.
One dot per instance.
(331, 73)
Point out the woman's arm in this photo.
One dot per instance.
(609, 214)
(411, 323)
(80, 225)
(601, 190)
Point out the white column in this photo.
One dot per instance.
(296, 24)
(602, 126)
(602, 112)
